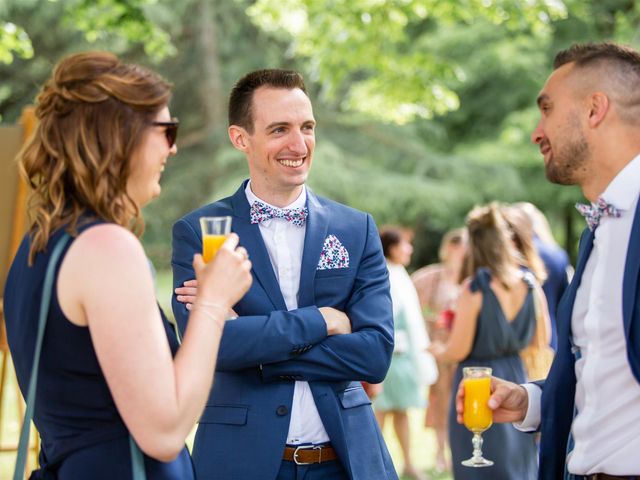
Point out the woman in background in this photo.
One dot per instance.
(438, 288)
(110, 366)
(522, 237)
(556, 261)
(495, 320)
(412, 367)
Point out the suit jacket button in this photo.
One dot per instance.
(282, 410)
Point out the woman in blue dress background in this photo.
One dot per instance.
(495, 320)
(110, 364)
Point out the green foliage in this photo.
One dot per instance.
(376, 55)
(424, 107)
(13, 39)
(119, 23)
(126, 20)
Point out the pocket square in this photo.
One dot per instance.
(333, 255)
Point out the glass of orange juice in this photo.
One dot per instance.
(477, 415)
(214, 233)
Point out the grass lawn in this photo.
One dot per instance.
(423, 440)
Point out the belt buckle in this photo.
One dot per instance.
(307, 447)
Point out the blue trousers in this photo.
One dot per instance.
(316, 471)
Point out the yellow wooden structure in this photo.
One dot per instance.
(13, 224)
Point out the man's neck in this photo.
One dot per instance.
(597, 182)
(277, 198)
(608, 159)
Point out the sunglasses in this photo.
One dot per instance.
(170, 131)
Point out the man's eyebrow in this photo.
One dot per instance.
(543, 97)
(276, 124)
(286, 124)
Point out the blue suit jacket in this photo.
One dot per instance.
(243, 430)
(558, 391)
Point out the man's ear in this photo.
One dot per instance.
(239, 137)
(599, 104)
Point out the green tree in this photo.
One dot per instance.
(424, 107)
(377, 57)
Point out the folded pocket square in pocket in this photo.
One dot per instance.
(333, 255)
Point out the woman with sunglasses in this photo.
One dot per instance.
(110, 367)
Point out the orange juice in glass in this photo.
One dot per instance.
(214, 233)
(477, 415)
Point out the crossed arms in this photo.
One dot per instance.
(296, 344)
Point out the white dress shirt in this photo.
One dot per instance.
(285, 244)
(606, 430)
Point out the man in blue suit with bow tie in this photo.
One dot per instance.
(587, 408)
(287, 402)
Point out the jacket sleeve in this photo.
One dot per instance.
(247, 341)
(186, 241)
(364, 354)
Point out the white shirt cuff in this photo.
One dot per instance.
(531, 420)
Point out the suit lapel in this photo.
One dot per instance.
(565, 309)
(317, 224)
(631, 272)
(251, 239)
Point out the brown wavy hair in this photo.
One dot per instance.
(490, 244)
(91, 114)
(522, 236)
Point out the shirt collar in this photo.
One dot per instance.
(301, 201)
(625, 187)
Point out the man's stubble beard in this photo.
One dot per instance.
(569, 162)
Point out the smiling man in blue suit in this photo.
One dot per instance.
(587, 408)
(287, 402)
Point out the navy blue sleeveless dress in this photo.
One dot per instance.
(83, 435)
(497, 345)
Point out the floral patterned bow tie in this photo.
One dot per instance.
(594, 212)
(261, 212)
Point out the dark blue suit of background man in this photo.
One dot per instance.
(287, 400)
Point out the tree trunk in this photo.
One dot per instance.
(211, 92)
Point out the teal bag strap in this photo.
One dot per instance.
(23, 444)
(137, 460)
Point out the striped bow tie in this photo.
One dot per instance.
(261, 212)
(594, 212)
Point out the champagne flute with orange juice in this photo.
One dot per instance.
(477, 415)
(214, 232)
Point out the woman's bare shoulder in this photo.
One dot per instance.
(427, 274)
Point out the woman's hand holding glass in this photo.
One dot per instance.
(223, 281)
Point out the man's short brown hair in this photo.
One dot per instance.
(584, 54)
(610, 67)
(241, 95)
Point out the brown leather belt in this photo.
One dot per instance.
(308, 454)
(606, 476)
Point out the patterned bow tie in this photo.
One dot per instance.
(594, 212)
(261, 212)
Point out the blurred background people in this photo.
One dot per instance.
(522, 237)
(538, 356)
(412, 367)
(111, 371)
(438, 288)
(495, 320)
(555, 259)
